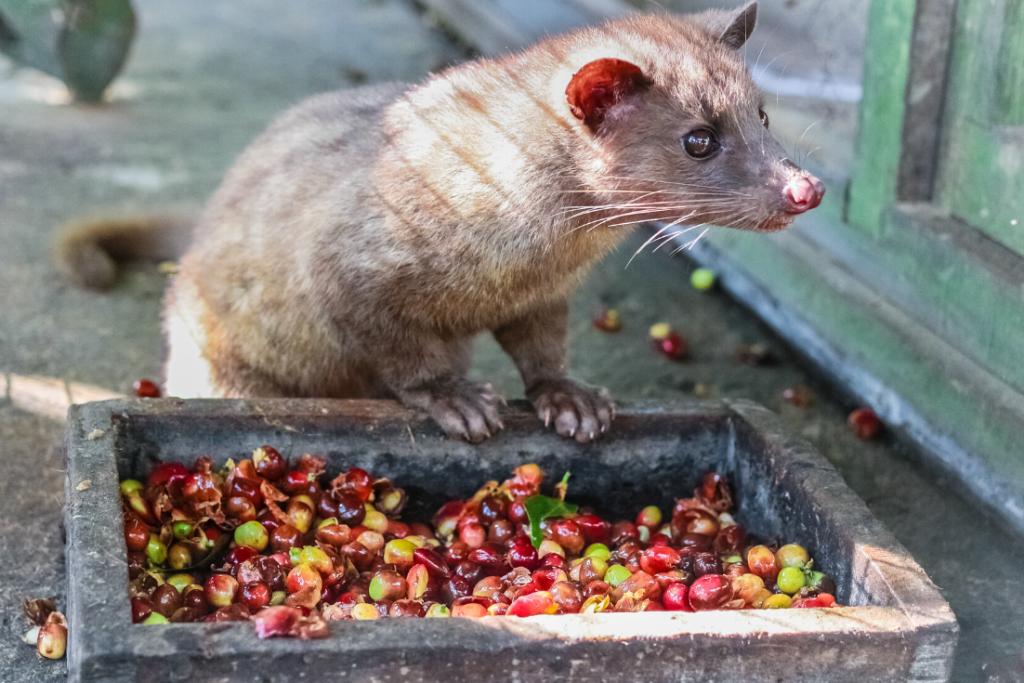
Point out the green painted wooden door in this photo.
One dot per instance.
(982, 175)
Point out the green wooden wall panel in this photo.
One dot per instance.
(880, 137)
(1010, 76)
(982, 179)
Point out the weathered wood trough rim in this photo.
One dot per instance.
(901, 607)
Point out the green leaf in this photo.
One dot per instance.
(539, 508)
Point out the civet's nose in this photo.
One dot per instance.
(803, 193)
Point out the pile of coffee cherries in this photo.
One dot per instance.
(292, 548)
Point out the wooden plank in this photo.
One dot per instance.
(982, 174)
(482, 23)
(880, 130)
(498, 26)
(542, 17)
(925, 99)
(604, 8)
(1010, 74)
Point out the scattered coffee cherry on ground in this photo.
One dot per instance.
(864, 423)
(702, 279)
(668, 342)
(797, 395)
(608, 320)
(146, 388)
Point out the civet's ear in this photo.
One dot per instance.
(740, 28)
(599, 86)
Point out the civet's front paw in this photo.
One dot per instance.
(578, 411)
(465, 410)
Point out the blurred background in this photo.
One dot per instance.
(903, 292)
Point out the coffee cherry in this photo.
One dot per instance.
(146, 388)
(649, 517)
(387, 584)
(166, 599)
(790, 580)
(747, 587)
(550, 548)
(156, 550)
(798, 395)
(567, 534)
(238, 555)
(621, 532)
(676, 597)
(668, 342)
(269, 463)
(516, 511)
(253, 535)
(501, 531)
(351, 510)
(553, 559)
(489, 556)
(375, 520)
(792, 555)
(616, 574)
(406, 608)
(136, 533)
(221, 590)
(167, 474)
(594, 528)
(777, 601)
(255, 595)
(373, 541)
(333, 533)
(142, 607)
(706, 563)
(712, 591)
(523, 554)
(608, 320)
(438, 611)
(52, 639)
(181, 581)
(301, 577)
(400, 553)
(285, 537)
(300, 513)
(761, 561)
(539, 602)
(864, 423)
(659, 558)
(567, 597)
(473, 535)
(702, 279)
(432, 560)
(179, 556)
(364, 611)
(471, 610)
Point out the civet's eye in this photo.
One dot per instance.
(764, 117)
(701, 143)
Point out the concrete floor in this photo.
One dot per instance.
(204, 78)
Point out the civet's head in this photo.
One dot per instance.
(676, 126)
